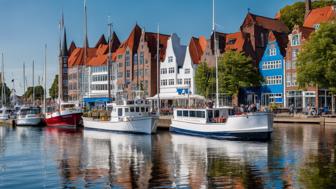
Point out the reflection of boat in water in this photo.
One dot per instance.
(206, 162)
(121, 158)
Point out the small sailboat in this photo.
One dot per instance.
(133, 116)
(30, 115)
(221, 122)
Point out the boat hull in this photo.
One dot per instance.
(68, 120)
(145, 125)
(256, 126)
(34, 121)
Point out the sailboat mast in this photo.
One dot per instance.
(109, 60)
(33, 86)
(158, 69)
(45, 79)
(2, 80)
(24, 78)
(215, 50)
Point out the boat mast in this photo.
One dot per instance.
(45, 79)
(61, 25)
(109, 60)
(215, 51)
(2, 80)
(33, 86)
(158, 68)
(24, 78)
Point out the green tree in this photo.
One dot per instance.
(7, 93)
(316, 63)
(236, 71)
(39, 91)
(294, 14)
(204, 81)
(53, 91)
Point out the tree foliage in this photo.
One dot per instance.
(236, 71)
(39, 92)
(294, 14)
(53, 91)
(317, 59)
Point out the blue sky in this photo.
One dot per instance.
(25, 26)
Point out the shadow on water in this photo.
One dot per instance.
(298, 156)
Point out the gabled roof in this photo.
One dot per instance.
(115, 43)
(320, 15)
(101, 41)
(220, 37)
(267, 23)
(281, 39)
(72, 47)
(132, 42)
(100, 57)
(151, 39)
(234, 41)
(196, 48)
(77, 56)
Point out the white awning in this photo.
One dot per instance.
(165, 96)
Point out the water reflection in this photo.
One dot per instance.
(299, 156)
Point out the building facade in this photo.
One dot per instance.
(272, 69)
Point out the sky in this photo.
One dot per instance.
(26, 26)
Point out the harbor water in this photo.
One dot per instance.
(297, 156)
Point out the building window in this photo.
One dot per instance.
(128, 73)
(170, 59)
(135, 58)
(127, 58)
(316, 26)
(187, 71)
(187, 81)
(274, 80)
(272, 51)
(171, 70)
(295, 40)
(120, 74)
(120, 64)
(120, 56)
(269, 65)
(179, 81)
(171, 82)
(163, 82)
(294, 54)
(163, 71)
(141, 58)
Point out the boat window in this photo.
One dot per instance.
(131, 109)
(137, 109)
(200, 114)
(185, 113)
(179, 112)
(119, 111)
(216, 113)
(210, 114)
(126, 109)
(192, 114)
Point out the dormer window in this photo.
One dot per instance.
(295, 40)
(231, 41)
(272, 51)
(316, 26)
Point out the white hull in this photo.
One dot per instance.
(249, 126)
(29, 121)
(145, 125)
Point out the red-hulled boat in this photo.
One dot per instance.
(68, 116)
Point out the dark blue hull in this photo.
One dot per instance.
(253, 136)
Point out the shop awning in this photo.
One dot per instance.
(97, 99)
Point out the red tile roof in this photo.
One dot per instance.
(101, 40)
(196, 48)
(235, 41)
(320, 15)
(77, 56)
(132, 42)
(72, 47)
(151, 39)
(268, 23)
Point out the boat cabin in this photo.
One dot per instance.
(130, 109)
(29, 111)
(213, 115)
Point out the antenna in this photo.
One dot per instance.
(158, 68)
(109, 59)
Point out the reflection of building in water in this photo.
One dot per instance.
(123, 159)
(69, 153)
(201, 162)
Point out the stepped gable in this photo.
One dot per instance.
(281, 39)
(132, 42)
(320, 15)
(151, 39)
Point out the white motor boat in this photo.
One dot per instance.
(5, 113)
(29, 116)
(221, 123)
(126, 116)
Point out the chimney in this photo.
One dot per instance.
(308, 7)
